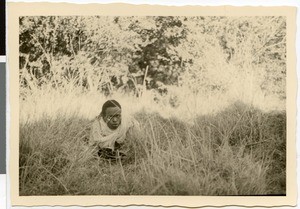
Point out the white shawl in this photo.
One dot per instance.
(104, 137)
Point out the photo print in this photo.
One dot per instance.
(157, 105)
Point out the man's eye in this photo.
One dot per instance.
(114, 116)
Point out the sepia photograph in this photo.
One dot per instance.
(152, 105)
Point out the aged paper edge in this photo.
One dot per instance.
(46, 9)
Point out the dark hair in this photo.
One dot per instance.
(109, 103)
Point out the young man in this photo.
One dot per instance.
(109, 130)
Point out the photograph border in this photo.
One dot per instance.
(14, 10)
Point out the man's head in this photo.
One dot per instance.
(111, 113)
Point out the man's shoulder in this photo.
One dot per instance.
(132, 122)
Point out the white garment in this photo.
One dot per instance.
(104, 137)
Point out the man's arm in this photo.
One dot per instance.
(97, 138)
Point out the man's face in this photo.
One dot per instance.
(113, 117)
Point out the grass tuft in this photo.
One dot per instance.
(238, 151)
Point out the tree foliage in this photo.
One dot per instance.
(132, 53)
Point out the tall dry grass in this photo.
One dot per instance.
(221, 131)
(208, 146)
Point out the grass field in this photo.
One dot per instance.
(238, 149)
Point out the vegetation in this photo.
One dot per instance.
(208, 92)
